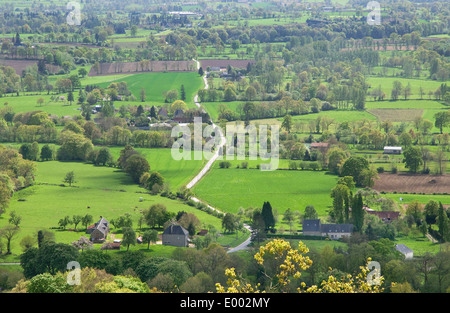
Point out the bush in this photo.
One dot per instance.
(293, 165)
(225, 164)
(380, 170)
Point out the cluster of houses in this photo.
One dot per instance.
(176, 235)
(314, 227)
(173, 235)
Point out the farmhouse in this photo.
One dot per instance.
(333, 231)
(392, 150)
(175, 235)
(99, 231)
(407, 252)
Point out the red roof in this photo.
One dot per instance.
(319, 145)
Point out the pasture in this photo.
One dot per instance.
(232, 188)
(155, 84)
(98, 191)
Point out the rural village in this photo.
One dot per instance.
(355, 99)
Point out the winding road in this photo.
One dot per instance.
(208, 165)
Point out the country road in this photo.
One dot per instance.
(218, 148)
(207, 167)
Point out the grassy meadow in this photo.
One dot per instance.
(98, 191)
(232, 188)
(155, 84)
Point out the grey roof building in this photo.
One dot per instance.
(99, 231)
(175, 235)
(334, 231)
(407, 252)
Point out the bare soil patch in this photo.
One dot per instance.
(396, 115)
(410, 183)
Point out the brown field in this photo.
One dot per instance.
(143, 67)
(417, 183)
(396, 115)
(18, 65)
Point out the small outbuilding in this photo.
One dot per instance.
(407, 252)
(392, 150)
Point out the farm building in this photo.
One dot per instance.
(333, 231)
(407, 252)
(99, 231)
(385, 216)
(392, 150)
(175, 235)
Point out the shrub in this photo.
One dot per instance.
(224, 164)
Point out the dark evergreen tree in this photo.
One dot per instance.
(267, 216)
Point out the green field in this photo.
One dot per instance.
(230, 189)
(386, 84)
(29, 104)
(99, 191)
(177, 173)
(155, 84)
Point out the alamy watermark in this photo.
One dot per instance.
(230, 145)
(374, 16)
(74, 275)
(74, 16)
(374, 276)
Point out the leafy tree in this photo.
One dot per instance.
(156, 215)
(82, 72)
(341, 202)
(69, 178)
(47, 283)
(46, 153)
(135, 166)
(178, 270)
(14, 219)
(287, 123)
(336, 156)
(442, 119)
(150, 236)
(310, 213)
(155, 178)
(70, 97)
(288, 217)
(354, 167)
(54, 257)
(413, 158)
(63, 222)
(76, 219)
(229, 223)
(281, 264)
(87, 220)
(129, 237)
(104, 156)
(8, 232)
